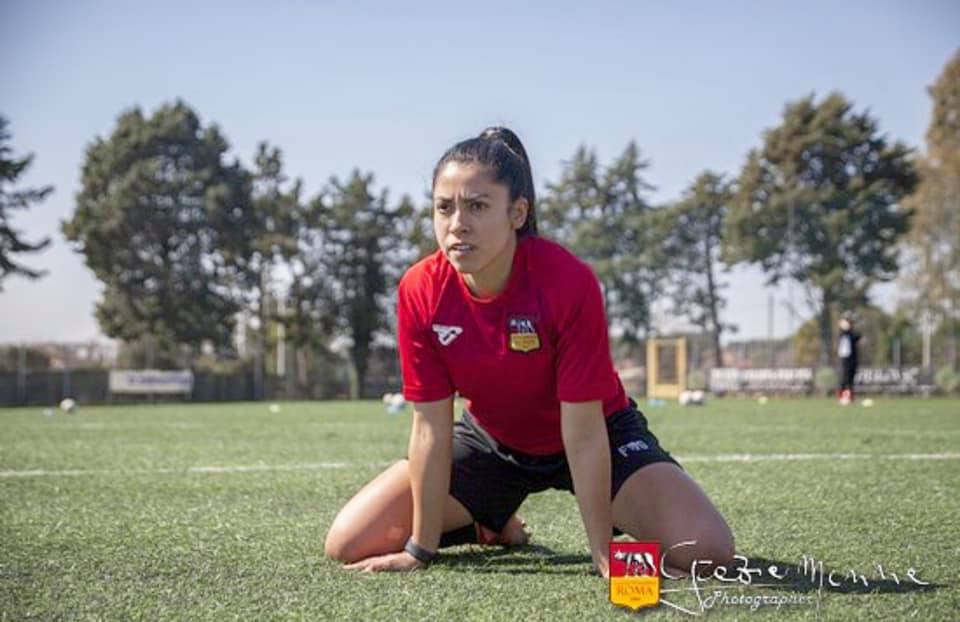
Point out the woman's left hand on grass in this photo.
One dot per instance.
(601, 565)
(392, 562)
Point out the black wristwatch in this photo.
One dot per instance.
(419, 553)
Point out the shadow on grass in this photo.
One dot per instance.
(529, 559)
(815, 576)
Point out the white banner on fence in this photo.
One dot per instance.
(782, 380)
(801, 380)
(150, 381)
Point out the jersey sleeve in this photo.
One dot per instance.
(584, 368)
(425, 376)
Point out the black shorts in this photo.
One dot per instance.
(492, 480)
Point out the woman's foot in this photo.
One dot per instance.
(514, 533)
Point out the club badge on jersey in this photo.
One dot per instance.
(523, 334)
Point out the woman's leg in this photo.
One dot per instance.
(379, 519)
(660, 502)
(851, 375)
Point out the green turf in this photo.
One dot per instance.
(105, 516)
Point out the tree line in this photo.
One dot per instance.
(188, 241)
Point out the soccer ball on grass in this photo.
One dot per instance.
(692, 398)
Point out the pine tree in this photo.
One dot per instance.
(692, 241)
(11, 243)
(603, 217)
(353, 248)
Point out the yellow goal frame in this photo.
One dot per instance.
(666, 383)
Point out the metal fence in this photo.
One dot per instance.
(91, 386)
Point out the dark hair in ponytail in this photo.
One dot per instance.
(499, 149)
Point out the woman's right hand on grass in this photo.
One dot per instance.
(391, 562)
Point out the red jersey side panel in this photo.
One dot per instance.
(515, 356)
(425, 375)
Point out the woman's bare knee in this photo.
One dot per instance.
(378, 519)
(718, 540)
(709, 548)
(336, 547)
(339, 543)
(685, 521)
(722, 548)
(374, 521)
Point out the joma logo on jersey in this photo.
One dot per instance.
(446, 334)
(523, 334)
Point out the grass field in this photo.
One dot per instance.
(199, 512)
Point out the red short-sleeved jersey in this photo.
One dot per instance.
(515, 356)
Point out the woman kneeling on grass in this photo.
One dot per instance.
(515, 324)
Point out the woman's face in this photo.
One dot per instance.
(475, 223)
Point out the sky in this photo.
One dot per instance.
(387, 88)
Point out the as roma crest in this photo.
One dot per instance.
(634, 574)
(523, 334)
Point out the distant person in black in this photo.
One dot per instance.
(847, 351)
